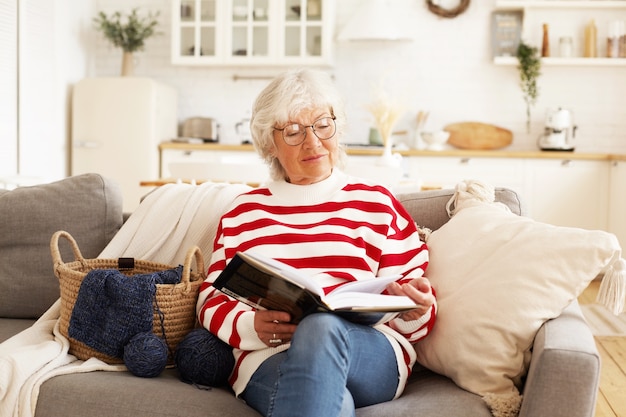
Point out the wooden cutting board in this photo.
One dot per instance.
(476, 135)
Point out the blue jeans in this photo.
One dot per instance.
(332, 367)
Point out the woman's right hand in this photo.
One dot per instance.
(273, 327)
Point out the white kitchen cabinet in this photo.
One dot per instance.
(196, 31)
(446, 172)
(252, 32)
(393, 177)
(220, 165)
(568, 192)
(566, 18)
(617, 201)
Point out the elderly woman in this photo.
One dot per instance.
(335, 228)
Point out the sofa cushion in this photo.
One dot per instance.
(498, 278)
(123, 395)
(428, 208)
(11, 327)
(87, 206)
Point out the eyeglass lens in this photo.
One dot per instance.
(295, 133)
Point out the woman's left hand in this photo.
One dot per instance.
(420, 291)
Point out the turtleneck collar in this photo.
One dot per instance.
(309, 194)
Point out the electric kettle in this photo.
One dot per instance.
(242, 128)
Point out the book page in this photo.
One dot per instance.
(375, 285)
(368, 302)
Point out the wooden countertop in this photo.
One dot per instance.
(162, 181)
(461, 153)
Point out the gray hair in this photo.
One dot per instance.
(283, 99)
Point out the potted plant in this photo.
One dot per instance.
(129, 33)
(529, 70)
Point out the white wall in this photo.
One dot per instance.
(447, 70)
(8, 87)
(53, 50)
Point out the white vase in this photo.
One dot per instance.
(388, 158)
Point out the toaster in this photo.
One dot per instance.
(204, 128)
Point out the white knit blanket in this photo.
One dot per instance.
(169, 221)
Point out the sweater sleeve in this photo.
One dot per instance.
(405, 253)
(225, 317)
(415, 330)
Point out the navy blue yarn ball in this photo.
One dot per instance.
(145, 355)
(203, 359)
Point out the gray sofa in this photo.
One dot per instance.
(562, 380)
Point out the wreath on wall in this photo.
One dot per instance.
(448, 13)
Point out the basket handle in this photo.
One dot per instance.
(56, 254)
(194, 252)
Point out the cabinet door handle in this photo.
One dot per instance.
(187, 153)
(465, 161)
(566, 163)
(89, 144)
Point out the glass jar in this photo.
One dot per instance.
(614, 38)
(566, 47)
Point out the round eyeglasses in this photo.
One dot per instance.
(295, 133)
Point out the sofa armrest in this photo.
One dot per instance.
(564, 373)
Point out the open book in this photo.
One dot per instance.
(266, 283)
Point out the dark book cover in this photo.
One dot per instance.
(268, 284)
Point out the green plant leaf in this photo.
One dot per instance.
(529, 70)
(130, 34)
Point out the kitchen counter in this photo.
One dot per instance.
(461, 153)
(590, 183)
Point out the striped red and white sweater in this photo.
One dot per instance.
(338, 230)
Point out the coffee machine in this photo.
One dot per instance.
(559, 132)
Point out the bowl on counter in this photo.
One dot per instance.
(435, 141)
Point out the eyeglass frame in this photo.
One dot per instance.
(312, 127)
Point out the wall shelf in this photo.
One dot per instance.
(570, 62)
(554, 11)
(560, 4)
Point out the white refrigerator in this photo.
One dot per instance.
(117, 125)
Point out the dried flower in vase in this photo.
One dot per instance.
(386, 113)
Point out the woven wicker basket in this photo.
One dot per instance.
(177, 302)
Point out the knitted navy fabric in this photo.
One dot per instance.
(203, 359)
(112, 307)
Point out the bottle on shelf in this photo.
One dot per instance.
(616, 40)
(545, 46)
(591, 43)
(613, 40)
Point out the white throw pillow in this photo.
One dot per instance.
(498, 278)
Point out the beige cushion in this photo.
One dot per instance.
(499, 277)
(88, 206)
